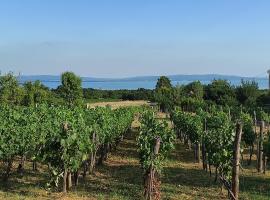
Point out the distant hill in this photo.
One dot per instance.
(204, 77)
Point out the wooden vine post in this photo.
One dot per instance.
(197, 152)
(255, 132)
(67, 182)
(264, 163)
(204, 158)
(236, 161)
(260, 148)
(152, 189)
(93, 154)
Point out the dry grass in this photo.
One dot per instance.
(117, 104)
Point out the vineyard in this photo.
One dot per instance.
(65, 140)
(67, 145)
(134, 100)
(193, 147)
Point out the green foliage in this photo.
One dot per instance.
(60, 137)
(102, 95)
(218, 139)
(189, 124)
(164, 94)
(163, 82)
(189, 97)
(10, 136)
(71, 89)
(262, 116)
(178, 94)
(66, 147)
(192, 104)
(263, 101)
(249, 136)
(35, 93)
(194, 89)
(266, 145)
(10, 92)
(220, 92)
(247, 93)
(151, 130)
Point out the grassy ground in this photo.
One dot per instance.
(101, 100)
(120, 178)
(117, 104)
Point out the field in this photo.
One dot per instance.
(120, 178)
(117, 104)
(134, 100)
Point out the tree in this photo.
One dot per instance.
(178, 94)
(220, 92)
(264, 100)
(247, 93)
(10, 91)
(249, 136)
(164, 97)
(163, 82)
(71, 88)
(164, 93)
(194, 89)
(35, 93)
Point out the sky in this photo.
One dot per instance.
(123, 38)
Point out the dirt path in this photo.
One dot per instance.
(121, 176)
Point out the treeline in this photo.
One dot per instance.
(195, 95)
(139, 94)
(69, 93)
(188, 97)
(219, 92)
(32, 93)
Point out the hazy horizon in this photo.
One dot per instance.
(140, 38)
(262, 75)
(139, 76)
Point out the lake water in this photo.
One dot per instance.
(132, 85)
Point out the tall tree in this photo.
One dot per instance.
(71, 88)
(163, 82)
(194, 89)
(220, 92)
(164, 93)
(247, 93)
(35, 93)
(10, 91)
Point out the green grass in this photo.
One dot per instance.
(120, 178)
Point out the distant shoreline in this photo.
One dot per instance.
(136, 83)
(181, 77)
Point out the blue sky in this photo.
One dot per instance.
(119, 38)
